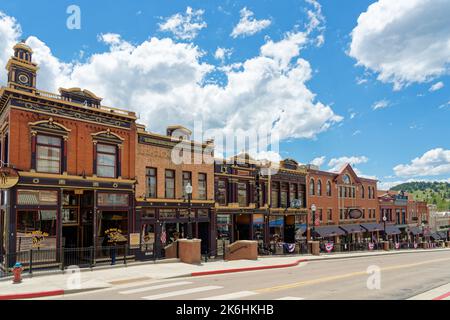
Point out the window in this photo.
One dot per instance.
(311, 187)
(187, 179)
(170, 184)
(151, 182)
(274, 195)
(341, 214)
(319, 187)
(293, 194)
(148, 213)
(36, 229)
(113, 199)
(37, 197)
(353, 193)
(362, 192)
(202, 213)
(329, 215)
(284, 195)
(346, 179)
(320, 215)
(222, 192)
(48, 154)
(242, 194)
(167, 213)
(328, 188)
(202, 182)
(364, 213)
(106, 160)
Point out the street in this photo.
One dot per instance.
(401, 276)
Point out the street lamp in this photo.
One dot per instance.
(188, 190)
(423, 231)
(384, 222)
(313, 212)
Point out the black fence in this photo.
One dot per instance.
(282, 248)
(43, 260)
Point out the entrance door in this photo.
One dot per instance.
(243, 223)
(203, 234)
(289, 229)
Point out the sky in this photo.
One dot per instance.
(350, 81)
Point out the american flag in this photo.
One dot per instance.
(163, 236)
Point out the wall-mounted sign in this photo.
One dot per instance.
(355, 214)
(8, 178)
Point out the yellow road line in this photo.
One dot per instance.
(343, 276)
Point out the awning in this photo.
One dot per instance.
(352, 228)
(329, 231)
(435, 236)
(392, 230)
(442, 234)
(370, 227)
(415, 231)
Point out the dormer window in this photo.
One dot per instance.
(346, 179)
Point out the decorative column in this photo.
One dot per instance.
(64, 158)
(94, 169)
(119, 161)
(33, 151)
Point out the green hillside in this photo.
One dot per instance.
(437, 193)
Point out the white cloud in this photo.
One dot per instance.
(248, 25)
(336, 164)
(380, 104)
(437, 86)
(10, 32)
(356, 132)
(185, 27)
(434, 162)
(222, 53)
(316, 21)
(164, 83)
(319, 161)
(404, 41)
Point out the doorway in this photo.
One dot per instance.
(289, 229)
(203, 234)
(243, 223)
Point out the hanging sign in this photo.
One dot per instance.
(329, 247)
(8, 178)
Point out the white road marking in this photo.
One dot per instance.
(231, 296)
(181, 292)
(161, 286)
(290, 298)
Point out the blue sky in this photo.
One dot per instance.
(409, 132)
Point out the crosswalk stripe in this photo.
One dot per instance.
(231, 296)
(161, 286)
(290, 298)
(181, 292)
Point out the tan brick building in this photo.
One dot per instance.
(162, 206)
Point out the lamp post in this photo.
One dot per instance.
(313, 212)
(423, 231)
(384, 223)
(188, 190)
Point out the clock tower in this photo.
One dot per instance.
(21, 69)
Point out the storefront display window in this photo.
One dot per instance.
(109, 220)
(69, 216)
(258, 227)
(223, 226)
(276, 224)
(36, 229)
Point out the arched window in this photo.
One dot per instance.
(329, 188)
(311, 187)
(362, 192)
(319, 187)
(370, 193)
(347, 179)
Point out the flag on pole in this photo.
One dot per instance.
(163, 236)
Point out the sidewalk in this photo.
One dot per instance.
(59, 283)
(440, 293)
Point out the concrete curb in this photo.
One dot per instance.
(42, 294)
(234, 270)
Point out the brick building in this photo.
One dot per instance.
(162, 205)
(346, 206)
(252, 204)
(74, 160)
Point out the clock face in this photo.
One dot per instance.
(23, 78)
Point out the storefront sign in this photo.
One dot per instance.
(329, 247)
(135, 240)
(8, 178)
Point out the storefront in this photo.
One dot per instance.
(162, 226)
(51, 221)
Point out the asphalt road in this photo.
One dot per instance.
(396, 277)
